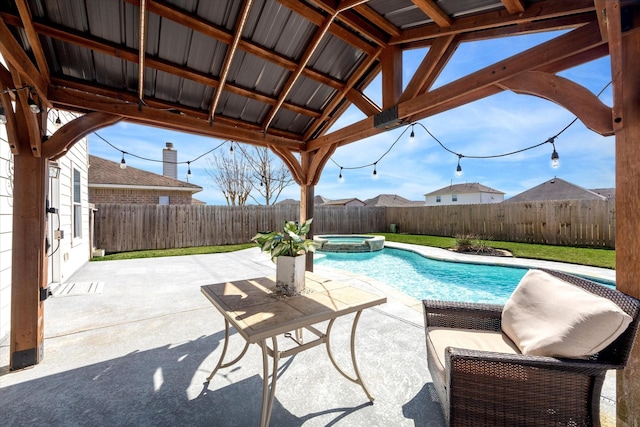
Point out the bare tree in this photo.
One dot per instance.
(232, 175)
(270, 175)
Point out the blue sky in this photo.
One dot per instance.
(495, 125)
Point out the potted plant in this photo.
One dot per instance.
(287, 248)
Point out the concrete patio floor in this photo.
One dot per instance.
(136, 350)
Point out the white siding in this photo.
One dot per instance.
(66, 255)
(6, 225)
(73, 252)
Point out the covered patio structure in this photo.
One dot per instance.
(279, 74)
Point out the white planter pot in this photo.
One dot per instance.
(290, 275)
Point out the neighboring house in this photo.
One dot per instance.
(391, 200)
(69, 196)
(108, 183)
(344, 202)
(464, 194)
(557, 189)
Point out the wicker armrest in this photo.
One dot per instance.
(462, 315)
(578, 366)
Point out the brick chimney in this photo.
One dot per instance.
(170, 161)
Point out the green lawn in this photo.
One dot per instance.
(605, 258)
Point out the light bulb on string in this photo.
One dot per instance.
(123, 163)
(340, 177)
(375, 173)
(231, 148)
(58, 122)
(555, 157)
(459, 168)
(188, 170)
(412, 136)
(33, 106)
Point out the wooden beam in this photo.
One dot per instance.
(65, 137)
(293, 78)
(363, 102)
(430, 67)
(231, 52)
(32, 36)
(543, 10)
(364, 68)
(391, 76)
(311, 14)
(614, 37)
(433, 11)
(627, 219)
(13, 54)
(117, 50)
(474, 86)
(82, 101)
(291, 162)
(585, 105)
(380, 21)
(11, 125)
(566, 45)
(513, 6)
(142, 33)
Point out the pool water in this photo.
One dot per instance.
(425, 278)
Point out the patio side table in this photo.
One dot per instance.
(259, 316)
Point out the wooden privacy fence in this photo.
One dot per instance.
(120, 228)
(564, 223)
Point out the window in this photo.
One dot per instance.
(438, 199)
(77, 205)
(163, 200)
(454, 197)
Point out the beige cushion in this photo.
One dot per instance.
(546, 316)
(438, 339)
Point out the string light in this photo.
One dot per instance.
(555, 158)
(375, 173)
(459, 168)
(340, 177)
(231, 147)
(123, 163)
(58, 122)
(32, 105)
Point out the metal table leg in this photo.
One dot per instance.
(358, 378)
(268, 393)
(220, 363)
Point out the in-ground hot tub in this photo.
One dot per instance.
(349, 243)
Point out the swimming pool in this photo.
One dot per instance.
(425, 278)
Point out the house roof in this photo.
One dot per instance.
(105, 173)
(390, 200)
(470, 187)
(342, 202)
(556, 189)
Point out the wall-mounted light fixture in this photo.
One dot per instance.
(54, 169)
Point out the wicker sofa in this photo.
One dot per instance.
(490, 382)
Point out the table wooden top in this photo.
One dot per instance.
(256, 313)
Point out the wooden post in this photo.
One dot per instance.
(627, 220)
(29, 257)
(306, 199)
(391, 76)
